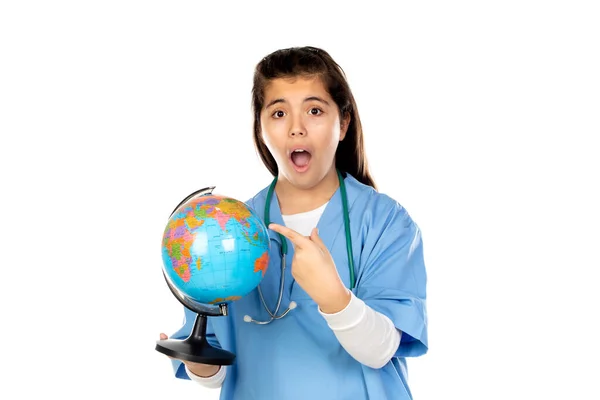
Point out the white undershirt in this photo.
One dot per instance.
(367, 335)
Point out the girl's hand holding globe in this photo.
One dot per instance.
(202, 370)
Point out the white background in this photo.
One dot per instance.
(481, 118)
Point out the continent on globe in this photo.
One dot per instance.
(262, 263)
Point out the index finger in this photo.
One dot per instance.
(291, 234)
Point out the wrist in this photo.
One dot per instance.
(203, 371)
(338, 301)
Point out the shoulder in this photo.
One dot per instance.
(375, 207)
(258, 201)
(382, 223)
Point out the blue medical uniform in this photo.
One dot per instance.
(298, 356)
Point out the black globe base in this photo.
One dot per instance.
(195, 348)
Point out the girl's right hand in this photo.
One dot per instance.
(201, 370)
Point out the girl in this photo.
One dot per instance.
(354, 303)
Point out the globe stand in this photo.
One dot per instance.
(195, 347)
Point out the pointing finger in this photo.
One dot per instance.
(294, 236)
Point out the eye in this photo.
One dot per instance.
(315, 111)
(278, 114)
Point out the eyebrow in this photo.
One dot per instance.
(310, 98)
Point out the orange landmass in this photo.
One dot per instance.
(221, 300)
(262, 263)
(194, 222)
(174, 223)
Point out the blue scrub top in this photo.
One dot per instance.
(298, 356)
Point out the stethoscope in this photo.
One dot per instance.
(273, 315)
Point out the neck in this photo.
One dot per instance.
(294, 200)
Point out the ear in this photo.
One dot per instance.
(344, 124)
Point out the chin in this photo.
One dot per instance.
(305, 180)
(302, 181)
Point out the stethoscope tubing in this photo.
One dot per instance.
(273, 315)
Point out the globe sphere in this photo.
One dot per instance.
(215, 249)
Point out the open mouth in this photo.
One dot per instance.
(300, 158)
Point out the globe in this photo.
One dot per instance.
(215, 249)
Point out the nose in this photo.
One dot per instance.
(297, 128)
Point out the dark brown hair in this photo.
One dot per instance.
(350, 155)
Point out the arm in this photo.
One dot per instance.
(387, 316)
(392, 278)
(214, 381)
(367, 335)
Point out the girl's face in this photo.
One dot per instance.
(301, 127)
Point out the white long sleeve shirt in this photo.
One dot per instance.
(367, 335)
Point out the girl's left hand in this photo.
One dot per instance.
(314, 270)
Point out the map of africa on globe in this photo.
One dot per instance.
(215, 249)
